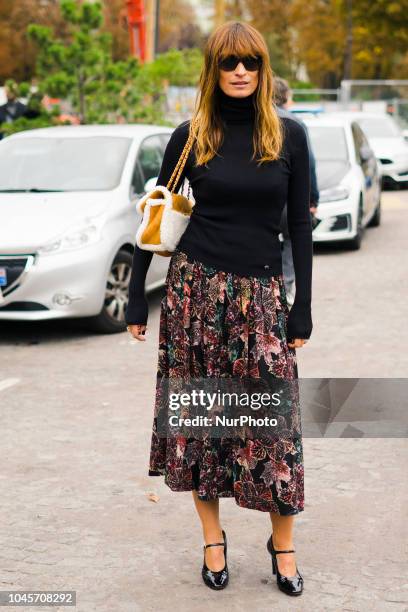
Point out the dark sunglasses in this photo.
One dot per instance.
(230, 62)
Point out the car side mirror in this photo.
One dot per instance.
(365, 153)
(150, 184)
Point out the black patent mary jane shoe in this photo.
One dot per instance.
(291, 585)
(216, 580)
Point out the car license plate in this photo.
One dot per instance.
(3, 277)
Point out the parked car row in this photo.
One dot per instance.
(349, 180)
(68, 207)
(357, 154)
(388, 143)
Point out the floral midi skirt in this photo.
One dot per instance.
(215, 324)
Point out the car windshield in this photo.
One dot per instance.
(328, 143)
(85, 163)
(383, 127)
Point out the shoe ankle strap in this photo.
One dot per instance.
(216, 544)
(279, 552)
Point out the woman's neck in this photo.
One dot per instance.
(234, 109)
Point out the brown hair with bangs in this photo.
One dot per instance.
(234, 37)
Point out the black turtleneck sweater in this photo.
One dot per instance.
(235, 222)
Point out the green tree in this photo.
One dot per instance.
(176, 67)
(80, 68)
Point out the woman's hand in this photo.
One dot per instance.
(137, 331)
(297, 343)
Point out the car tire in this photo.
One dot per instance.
(355, 243)
(375, 221)
(111, 318)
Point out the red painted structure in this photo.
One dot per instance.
(136, 21)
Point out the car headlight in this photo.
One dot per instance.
(334, 194)
(76, 237)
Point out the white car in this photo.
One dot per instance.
(68, 220)
(387, 140)
(348, 177)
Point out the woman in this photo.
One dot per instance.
(225, 311)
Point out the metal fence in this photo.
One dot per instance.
(379, 96)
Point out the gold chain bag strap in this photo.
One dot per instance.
(165, 214)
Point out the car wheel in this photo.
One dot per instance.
(111, 319)
(376, 219)
(355, 243)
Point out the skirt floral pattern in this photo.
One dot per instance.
(216, 323)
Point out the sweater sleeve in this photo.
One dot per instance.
(137, 310)
(300, 231)
(314, 189)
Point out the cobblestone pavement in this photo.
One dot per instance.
(76, 413)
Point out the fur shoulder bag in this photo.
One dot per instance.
(165, 214)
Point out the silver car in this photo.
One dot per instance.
(68, 220)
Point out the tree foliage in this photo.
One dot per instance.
(100, 89)
(17, 53)
(378, 38)
(81, 68)
(83, 55)
(315, 34)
